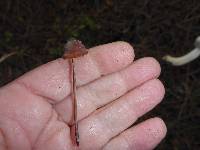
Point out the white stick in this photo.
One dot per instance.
(178, 61)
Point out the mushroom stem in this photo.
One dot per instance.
(178, 61)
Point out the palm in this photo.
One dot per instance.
(36, 109)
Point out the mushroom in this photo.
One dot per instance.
(192, 55)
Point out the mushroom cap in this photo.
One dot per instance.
(197, 42)
(73, 49)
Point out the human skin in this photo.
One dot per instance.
(113, 92)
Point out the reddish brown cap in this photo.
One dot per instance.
(74, 49)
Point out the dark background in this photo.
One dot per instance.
(37, 30)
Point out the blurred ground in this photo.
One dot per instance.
(38, 30)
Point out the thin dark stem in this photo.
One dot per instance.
(74, 103)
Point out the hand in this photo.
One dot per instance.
(113, 92)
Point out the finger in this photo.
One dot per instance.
(119, 115)
(52, 79)
(144, 136)
(108, 88)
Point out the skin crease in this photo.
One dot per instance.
(113, 92)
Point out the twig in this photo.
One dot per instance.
(5, 56)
